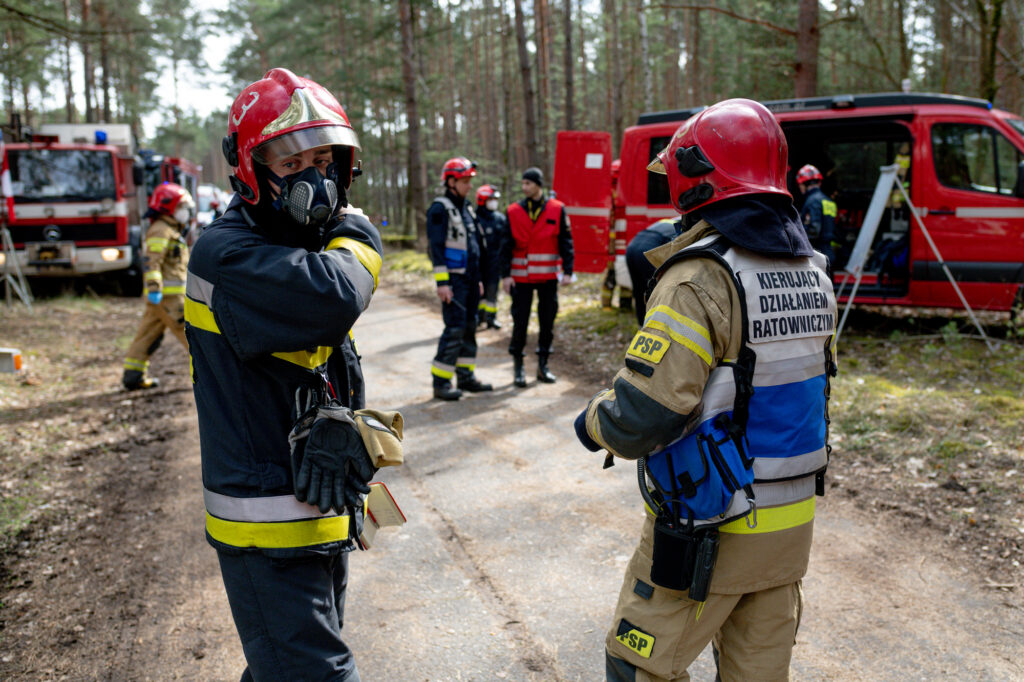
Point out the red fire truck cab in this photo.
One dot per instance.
(964, 172)
(75, 203)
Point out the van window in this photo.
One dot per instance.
(974, 157)
(657, 184)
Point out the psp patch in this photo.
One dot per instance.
(648, 347)
(635, 639)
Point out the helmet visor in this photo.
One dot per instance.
(291, 144)
(657, 165)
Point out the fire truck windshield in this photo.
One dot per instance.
(39, 175)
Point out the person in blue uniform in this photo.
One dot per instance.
(455, 246)
(818, 212)
(492, 228)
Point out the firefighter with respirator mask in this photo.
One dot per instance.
(274, 287)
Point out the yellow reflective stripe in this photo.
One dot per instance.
(828, 208)
(442, 373)
(171, 291)
(772, 519)
(132, 363)
(440, 276)
(157, 244)
(154, 276)
(682, 340)
(364, 254)
(307, 359)
(199, 316)
(352, 338)
(681, 319)
(278, 534)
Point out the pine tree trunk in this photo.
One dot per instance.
(90, 111)
(645, 57)
(569, 60)
(69, 83)
(529, 100)
(415, 216)
(805, 79)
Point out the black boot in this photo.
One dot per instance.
(543, 373)
(473, 385)
(492, 321)
(445, 391)
(133, 380)
(519, 374)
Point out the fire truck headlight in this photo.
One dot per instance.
(3, 259)
(107, 205)
(111, 254)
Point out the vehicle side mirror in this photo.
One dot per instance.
(138, 176)
(1018, 189)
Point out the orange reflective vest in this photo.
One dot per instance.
(535, 257)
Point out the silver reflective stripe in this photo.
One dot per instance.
(542, 269)
(440, 269)
(442, 366)
(719, 393)
(783, 492)
(544, 256)
(587, 211)
(771, 468)
(260, 509)
(789, 370)
(198, 289)
(518, 261)
(173, 283)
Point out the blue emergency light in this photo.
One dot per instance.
(101, 137)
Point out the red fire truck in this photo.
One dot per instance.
(964, 173)
(76, 206)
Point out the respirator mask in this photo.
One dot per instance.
(308, 198)
(491, 204)
(182, 215)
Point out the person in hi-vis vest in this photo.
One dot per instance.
(724, 400)
(536, 254)
(454, 245)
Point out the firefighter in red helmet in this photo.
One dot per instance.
(455, 246)
(170, 213)
(818, 212)
(617, 274)
(723, 403)
(274, 287)
(492, 229)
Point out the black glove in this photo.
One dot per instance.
(335, 467)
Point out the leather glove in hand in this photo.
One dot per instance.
(335, 466)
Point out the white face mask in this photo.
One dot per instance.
(182, 214)
(491, 204)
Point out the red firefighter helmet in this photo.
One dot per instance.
(486, 192)
(732, 148)
(807, 174)
(168, 196)
(282, 115)
(458, 167)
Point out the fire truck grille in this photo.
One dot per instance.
(88, 232)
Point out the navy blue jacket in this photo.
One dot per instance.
(437, 231)
(266, 325)
(492, 227)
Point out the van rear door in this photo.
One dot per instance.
(583, 182)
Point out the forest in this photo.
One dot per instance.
(494, 80)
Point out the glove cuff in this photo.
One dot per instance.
(581, 432)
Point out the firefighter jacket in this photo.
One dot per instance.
(538, 242)
(492, 228)
(269, 336)
(166, 257)
(714, 301)
(453, 239)
(819, 217)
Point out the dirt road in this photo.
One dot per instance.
(508, 568)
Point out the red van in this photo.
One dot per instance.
(964, 172)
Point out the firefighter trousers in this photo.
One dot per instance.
(547, 310)
(168, 314)
(289, 615)
(456, 350)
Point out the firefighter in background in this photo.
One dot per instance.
(492, 226)
(640, 269)
(537, 245)
(618, 272)
(455, 247)
(818, 212)
(170, 210)
(274, 287)
(739, 393)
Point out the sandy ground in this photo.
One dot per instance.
(508, 567)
